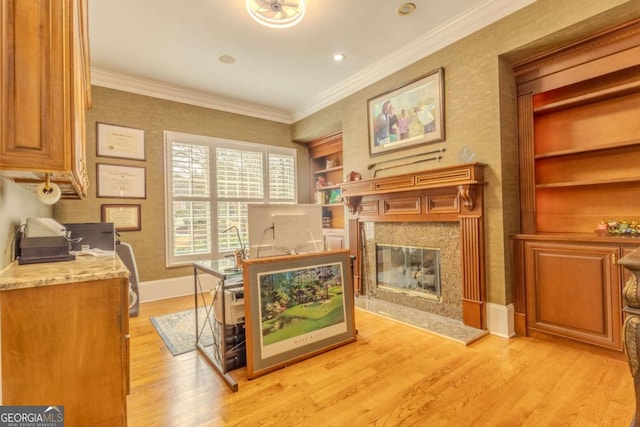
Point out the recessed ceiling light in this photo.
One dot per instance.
(406, 9)
(226, 59)
(338, 57)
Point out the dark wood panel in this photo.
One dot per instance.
(526, 163)
(402, 205)
(573, 291)
(394, 183)
(473, 271)
(369, 207)
(445, 203)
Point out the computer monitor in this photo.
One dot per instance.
(284, 229)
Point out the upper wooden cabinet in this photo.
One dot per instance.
(45, 92)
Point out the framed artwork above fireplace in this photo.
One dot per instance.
(407, 116)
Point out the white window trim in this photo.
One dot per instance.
(213, 143)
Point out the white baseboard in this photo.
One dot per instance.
(155, 290)
(500, 320)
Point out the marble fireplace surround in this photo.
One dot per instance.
(441, 195)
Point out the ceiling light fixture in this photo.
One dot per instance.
(338, 57)
(276, 13)
(406, 9)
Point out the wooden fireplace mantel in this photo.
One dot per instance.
(453, 193)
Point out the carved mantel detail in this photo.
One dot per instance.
(466, 194)
(352, 203)
(438, 192)
(448, 194)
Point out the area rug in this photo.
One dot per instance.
(178, 330)
(438, 325)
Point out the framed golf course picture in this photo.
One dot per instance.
(296, 306)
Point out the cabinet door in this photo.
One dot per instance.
(34, 72)
(66, 345)
(45, 74)
(573, 291)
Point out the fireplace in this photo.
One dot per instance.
(439, 208)
(437, 241)
(411, 270)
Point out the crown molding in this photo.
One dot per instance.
(127, 83)
(473, 20)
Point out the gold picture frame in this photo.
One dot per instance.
(407, 116)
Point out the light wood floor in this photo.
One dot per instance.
(392, 375)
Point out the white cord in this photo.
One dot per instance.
(313, 239)
(261, 240)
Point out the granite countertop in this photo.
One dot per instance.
(84, 268)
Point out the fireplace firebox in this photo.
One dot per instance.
(409, 269)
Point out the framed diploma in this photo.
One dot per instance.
(123, 182)
(123, 217)
(119, 142)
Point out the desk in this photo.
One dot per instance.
(220, 342)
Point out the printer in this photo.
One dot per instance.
(46, 240)
(87, 236)
(43, 240)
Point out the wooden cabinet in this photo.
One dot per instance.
(578, 141)
(67, 345)
(574, 290)
(327, 175)
(570, 286)
(45, 73)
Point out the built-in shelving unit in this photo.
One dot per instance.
(579, 141)
(585, 162)
(327, 174)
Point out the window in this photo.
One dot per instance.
(210, 181)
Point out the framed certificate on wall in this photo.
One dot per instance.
(119, 141)
(123, 182)
(123, 217)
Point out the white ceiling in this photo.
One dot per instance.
(170, 49)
